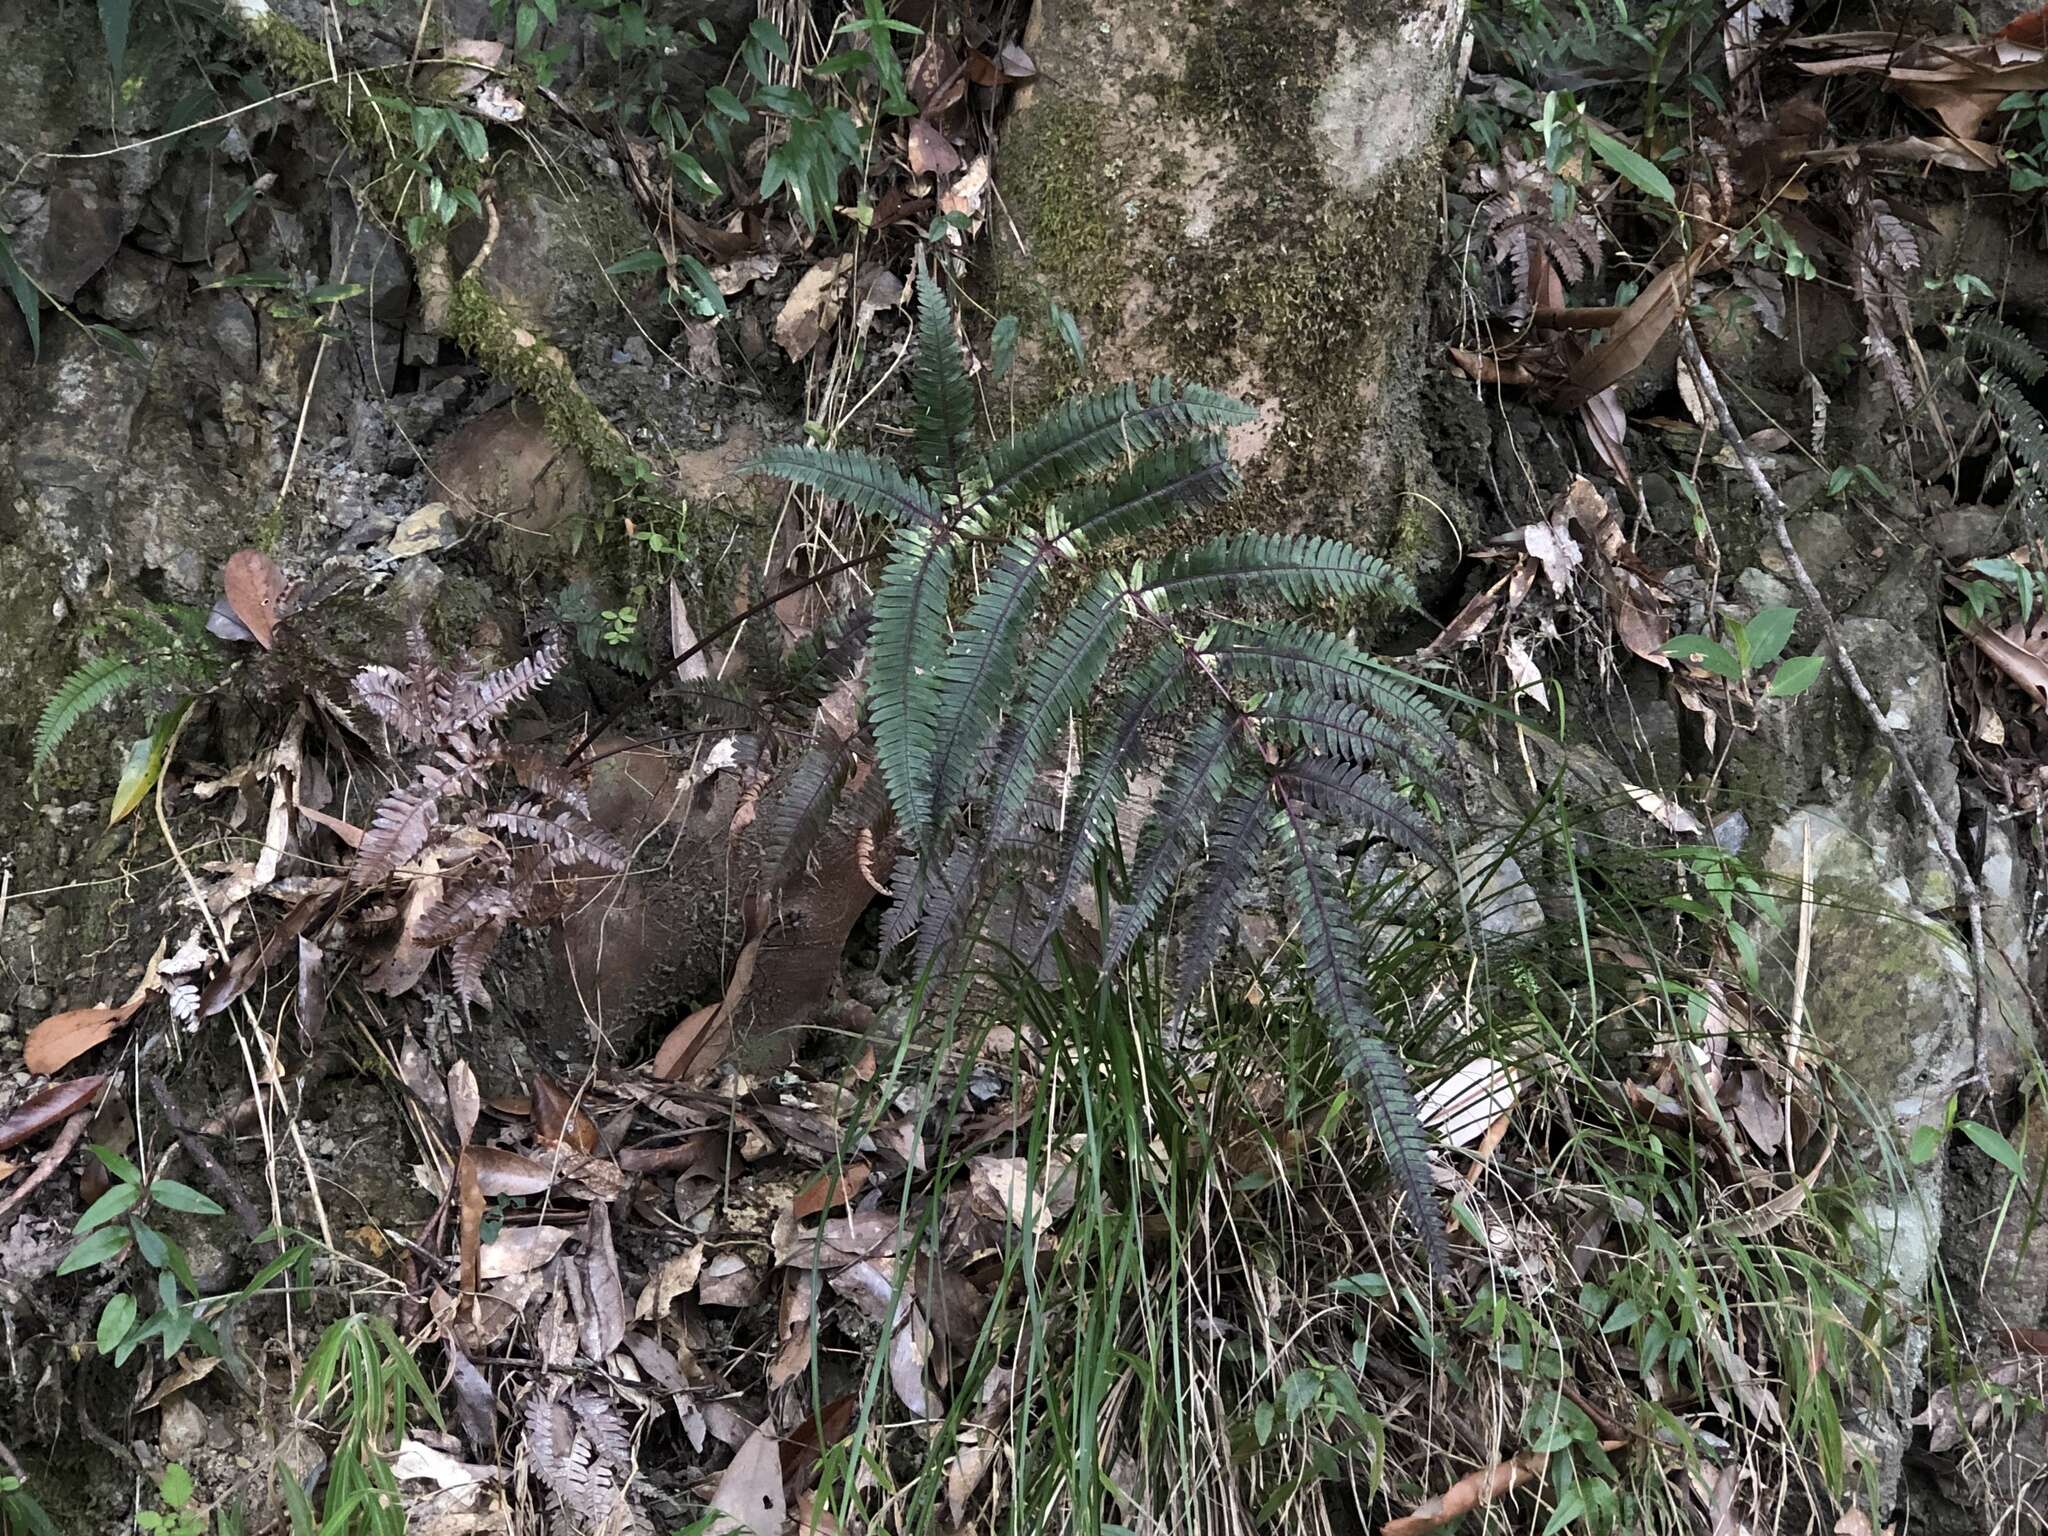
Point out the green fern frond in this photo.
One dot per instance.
(1056, 688)
(1251, 567)
(864, 482)
(944, 397)
(1086, 434)
(950, 897)
(1105, 776)
(1193, 786)
(1285, 655)
(90, 685)
(1329, 936)
(2026, 437)
(1168, 479)
(1355, 798)
(974, 681)
(909, 641)
(1242, 830)
(1343, 730)
(2004, 346)
(803, 805)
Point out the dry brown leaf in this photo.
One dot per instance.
(966, 193)
(557, 1121)
(1666, 811)
(253, 586)
(1468, 623)
(515, 1250)
(1760, 1114)
(812, 307)
(465, 1102)
(2020, 656)
(931, 154)
(470, 1214)
(603, 1308)
(827, 1190)
(1474, 1490)
(1642, 325)
(48, 1107)
(751, 1489)
(63, 1037)
(728, 1280)
(687, 1042)
(677, 1276)
(499, 1172)
(1010, 1189)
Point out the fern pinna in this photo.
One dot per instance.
(1011, 605)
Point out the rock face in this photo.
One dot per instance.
(1245, 192)
(1888, 996)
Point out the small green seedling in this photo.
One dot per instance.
(1752, 647)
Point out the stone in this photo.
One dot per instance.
(182, 1428)
(429, 529)
(1502, 902)
(130, 288)
(503, 468)
(231, 326)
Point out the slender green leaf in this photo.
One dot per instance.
(1987, 1140)
(174, 1196)
(116, 1318)
(117, 1201)
(105, 1244)
(1796, 676)
(1625, 162)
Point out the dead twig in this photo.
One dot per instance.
(48, 1163)
(1944, 835)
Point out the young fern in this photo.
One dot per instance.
(1011, 592)
(165, 648)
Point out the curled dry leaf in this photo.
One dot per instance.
(465, 1101)
(48, 1107)
(829, 1189)
(557, 1121)
(1666, 811)
(254, 586)
(63, 1037)
(1475, 1490)
(1460, 1107)
(677, 1276)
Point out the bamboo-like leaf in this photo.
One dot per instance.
(1334, 950)
(909, 640)
(864, 482)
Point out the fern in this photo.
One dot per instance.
(160, 646)
(2004, 346)
(91, 685)
(1010, 592)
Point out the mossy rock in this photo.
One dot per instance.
(1253, 206)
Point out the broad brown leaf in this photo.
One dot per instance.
(47, 1107)
(63, 1037)
(556, 1119)
(253, 585)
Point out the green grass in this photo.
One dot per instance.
(1230, 1328)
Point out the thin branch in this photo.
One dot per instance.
(1944, 834)
(217, 1176)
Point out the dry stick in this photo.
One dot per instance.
(1944, 835)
